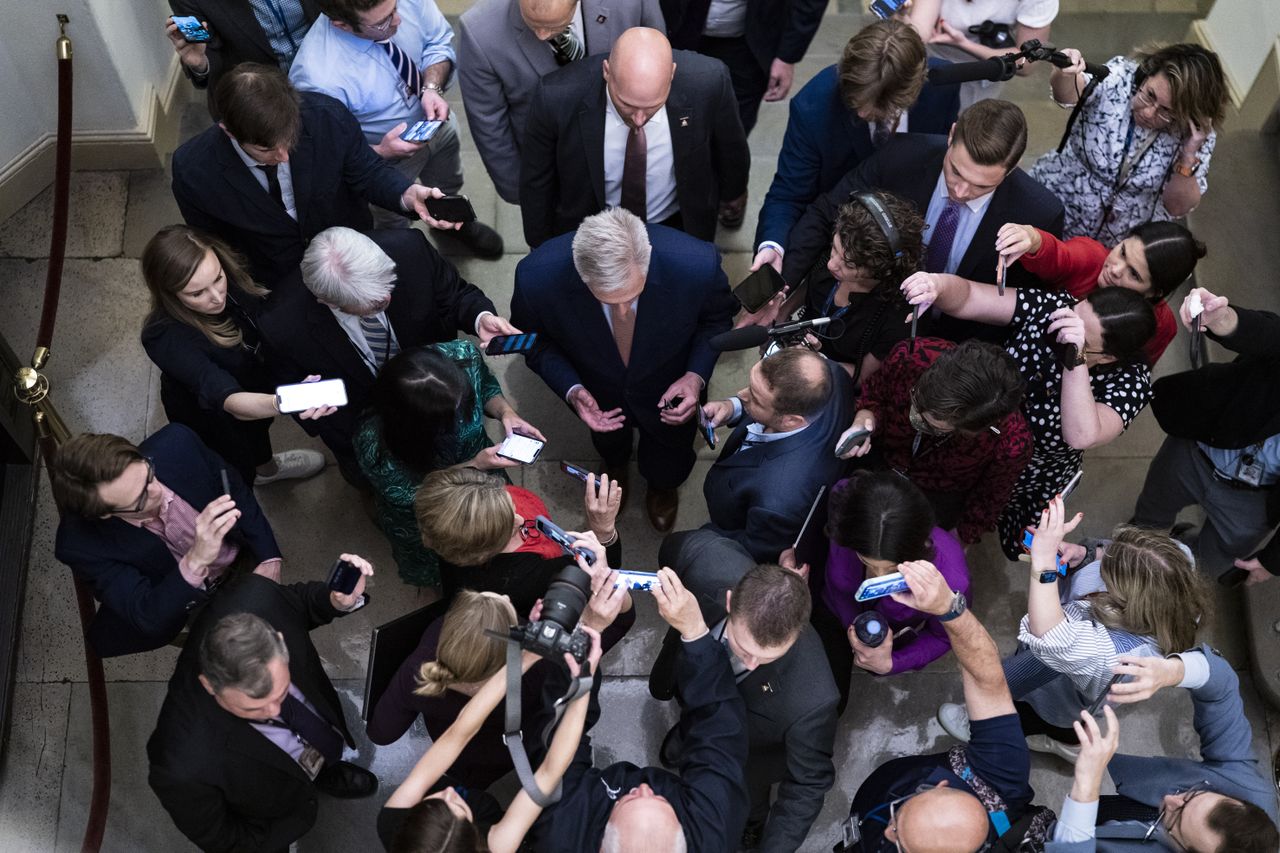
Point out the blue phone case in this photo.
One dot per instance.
(881, 586)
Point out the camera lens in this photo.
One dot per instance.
(566, 597)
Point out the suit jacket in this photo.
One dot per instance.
(824, 141)
(145, 600)
(224, 784)
(759, 497)
(336, 176)
(791, 703)
(1228, 765)
(908, 166)
(685, 302)
(565, 131)
(431, 303)
(498, 81)
(709, 795)
(776, 29)
(237, 37)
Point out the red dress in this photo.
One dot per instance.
(1073, 265)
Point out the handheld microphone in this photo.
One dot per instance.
(964, 72)
(753, 336)
(1098, 72)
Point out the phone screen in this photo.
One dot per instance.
(421, 131)
(190, 28)
(758, 288)
(521, 448)
(308, 395)
(511, 344)
(886, 8)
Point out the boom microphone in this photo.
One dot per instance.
(964, 72)
(733, 340)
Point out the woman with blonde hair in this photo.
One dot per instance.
(202, 334)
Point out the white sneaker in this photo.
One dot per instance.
(1049, 746)
(293, 465)
(955, 720)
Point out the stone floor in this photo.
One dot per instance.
(103, 382)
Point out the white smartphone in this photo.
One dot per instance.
(881, 586)
(646, 581)
(521, 448)
(308, 395)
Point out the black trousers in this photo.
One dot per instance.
(749, 80)
(665, 456)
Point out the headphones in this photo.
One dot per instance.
(880, 214)
(1177, 54)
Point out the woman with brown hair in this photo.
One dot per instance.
(202, 334)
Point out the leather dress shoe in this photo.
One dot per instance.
(344, 780)
(662, 505)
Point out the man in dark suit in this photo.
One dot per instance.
(319, 318)
(637, 130)
(628, 808)
(279, 169)
(760, 613)
(251, 726)
(843, 115)
(781, 451)
(153, 532)
(244, 31)
(626, 313)
(966, 186)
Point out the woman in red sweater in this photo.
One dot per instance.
(1153, 260)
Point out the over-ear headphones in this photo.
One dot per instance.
(880, 214)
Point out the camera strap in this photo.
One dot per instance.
(513, 736)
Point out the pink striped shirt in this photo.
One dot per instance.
(175, 524)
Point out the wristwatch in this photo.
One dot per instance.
(436, 87)
(1181, 168)
(959, 604)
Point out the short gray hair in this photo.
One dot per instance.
(608, 247)
(611, 842)
(236, 651)
(345, 268)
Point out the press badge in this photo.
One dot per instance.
(1249, 470)
(311, 762)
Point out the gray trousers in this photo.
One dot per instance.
(437, 164)
(1236, 520)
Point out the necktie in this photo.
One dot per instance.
(273, 183)
(567, 47)
(624, 329)
(312, 728)
(1113, 807)
(944, 235)
(379, 339)
(633, 173)
(406, 67)
(881, 132)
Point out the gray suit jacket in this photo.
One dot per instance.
(500, 62)
(1228, 767)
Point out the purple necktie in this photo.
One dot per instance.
(312, 728)
(634, 166)
(944, 234)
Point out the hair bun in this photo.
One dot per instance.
(434, 678)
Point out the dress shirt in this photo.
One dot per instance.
(726, 19)
(660, 165)
(1227, 461)
(350, 324)
(283, 174)
(283, 736)
(175, 524)
(359, 73)
(285, 25)
(971, 213)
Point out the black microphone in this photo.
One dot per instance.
(1098, 72)
(736, 339)
(964, 72)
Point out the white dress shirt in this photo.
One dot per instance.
(660, 165)
(726, 19)
(283, 174)
(971, 213)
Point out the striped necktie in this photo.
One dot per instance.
(378, 337)
(567, 47)
(405, 67)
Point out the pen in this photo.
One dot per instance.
(226, 482)
(915, 320)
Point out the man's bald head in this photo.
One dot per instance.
(638, 74)
(643, 822)
(941, 820)
(546, 18)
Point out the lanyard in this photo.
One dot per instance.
(1127, 164)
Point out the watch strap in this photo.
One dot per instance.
(958, 606)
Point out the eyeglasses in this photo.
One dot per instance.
(141, 503)
(1146, 99)
(382, 29)
(1175, 825)
(919, 423)
(529, 531)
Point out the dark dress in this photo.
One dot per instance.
(872, 322)
(197, 376)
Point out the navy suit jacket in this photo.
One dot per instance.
(336, 176)
(144, 597)
(685, 302)
(759, 497)
(825, 141)
(908, 166)
(431, 303)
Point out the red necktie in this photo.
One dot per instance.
(633, 173)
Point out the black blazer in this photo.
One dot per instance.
(791, 703)
(226, 786)
(565, 132)
(145, 599)
(776, 29)
(336, 176)
(431, 303)
(908, 166)
(759, 497)
(237, 37)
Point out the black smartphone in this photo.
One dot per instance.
(451, 208)
(557, 534)
(858, 436)
(226, 482)
(581, 473)
(755, 291)
(344, 577)
(708, 431)
(886, 8)
(511, 344)
(1101, 701)
(190, 28)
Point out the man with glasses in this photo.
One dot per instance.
(1218, 804)
(960, 800)
(154, 530)
(389, 62)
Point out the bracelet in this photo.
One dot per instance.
(612, 539)
(433, 87)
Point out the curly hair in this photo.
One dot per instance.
(865, 244)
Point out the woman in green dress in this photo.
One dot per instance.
(427, 414)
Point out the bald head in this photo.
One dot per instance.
(643, 822)
(546, 18)
(638, 74)
(941, 820)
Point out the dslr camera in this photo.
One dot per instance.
(562, 606)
